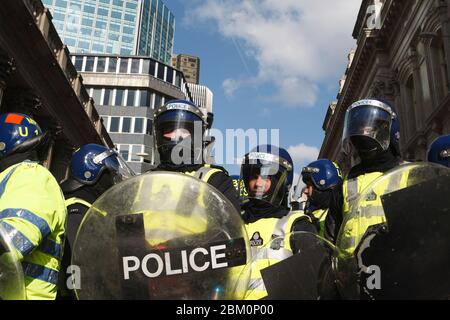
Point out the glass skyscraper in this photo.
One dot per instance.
(122, 27)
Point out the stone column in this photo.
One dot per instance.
(444, 14)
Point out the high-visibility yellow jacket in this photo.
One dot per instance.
(33, 213)
(370, 210)
(262, 232)
(321, 216)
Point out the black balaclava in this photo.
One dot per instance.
(379, 162)
(256, 209)
(16, 158)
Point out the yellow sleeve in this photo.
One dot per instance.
(31, 206)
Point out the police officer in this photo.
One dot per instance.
(93, 170)
(267, 173)
(323, 180)
(371, 133)
(180, 130)
(32, 209)
(439, 151)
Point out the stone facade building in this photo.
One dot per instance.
(404, 57)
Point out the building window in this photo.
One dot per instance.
(169, 77)
(87, 22)
(158, 100)
(97, 48)
(89, 9)
(145, 98)
(97, 95)
(103, 12)
(101, 25)
(71, 42)
(138, 125)
(101, 63)
(124, 151)
(89, 64)
(83, 45)
(178, 79)
(128, 30)
(130, 98)
(123, 65)
(78, 63)
(116, 15)
(135, 65)
(114, 125)
(126, 125)
(118, 3)
(411, 105)
(135, 150)
(107, 99)
(152, 68)
(161, 68)
(112, 65)
(119, 97)
(440, 66)
(114, 27)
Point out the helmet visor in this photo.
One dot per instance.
(177, 125)
(264, 178)
(367, 121)
(115, 164)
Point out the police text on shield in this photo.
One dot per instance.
(159, 263)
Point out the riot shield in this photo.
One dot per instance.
(12, 286)
(161, 236)
(395, 241)
(305, 275)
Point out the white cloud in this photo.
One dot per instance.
(230, 86)
(297, 44)
(303, 154)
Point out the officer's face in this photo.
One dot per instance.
(308, 191)
(259, 185)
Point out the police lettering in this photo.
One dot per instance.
(157, 264)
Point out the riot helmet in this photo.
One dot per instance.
(371, 127)
(267, 173)
(179, 129)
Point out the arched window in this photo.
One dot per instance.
(410, 107)
(440, 66)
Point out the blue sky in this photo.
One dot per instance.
(270, 63)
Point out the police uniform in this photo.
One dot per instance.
(214, 175)
(33, 212)
(372, 130)
(263, 226)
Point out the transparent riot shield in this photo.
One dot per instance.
(395, 241)
(297, 266)
(12, 286)
(161, 236)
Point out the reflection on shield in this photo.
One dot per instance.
(12, 286)
(413, 256)
(307, 275)
(401, 233)
(162, 236)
